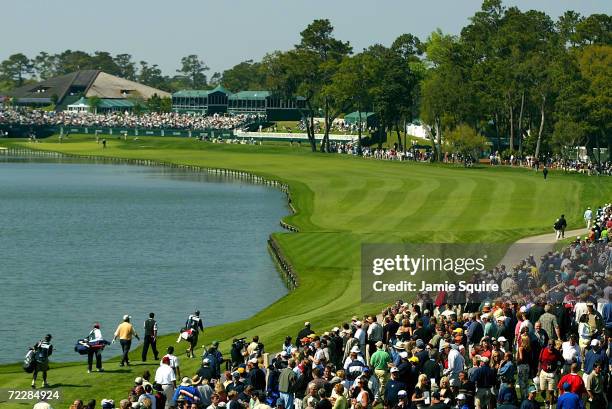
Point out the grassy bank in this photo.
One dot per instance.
(341, 203)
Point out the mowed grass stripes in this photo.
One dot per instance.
(341, 203)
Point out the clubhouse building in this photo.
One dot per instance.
(221, 101)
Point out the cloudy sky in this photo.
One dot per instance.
(224, 33)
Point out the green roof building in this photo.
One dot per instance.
(368, 119)
(105, 105)
(220, 100)
(206, 102)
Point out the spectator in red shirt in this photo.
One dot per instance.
(574, 380)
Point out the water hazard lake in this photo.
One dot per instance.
(83, 243)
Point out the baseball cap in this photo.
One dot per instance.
(127, 317)
(403, 354)
(394, 369)
(402, 393)
(461, 396)
(595, 342)
(138, 380)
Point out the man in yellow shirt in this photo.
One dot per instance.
(125, 331)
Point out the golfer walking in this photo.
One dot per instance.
(588, 217)
(150, 337)
(125, 332)
(560, 226)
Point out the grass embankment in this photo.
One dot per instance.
(341, 202)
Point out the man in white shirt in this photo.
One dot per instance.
(174, 362)
(571, 353)
(588, 217)
(456, 362)
(167, 379)
(360, 335)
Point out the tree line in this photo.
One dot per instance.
(18, 69)
(530, 84)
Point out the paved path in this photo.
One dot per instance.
(536, 245)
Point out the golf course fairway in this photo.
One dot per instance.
(341, 202)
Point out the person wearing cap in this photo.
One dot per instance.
(484, 379)
(187, 392)
(166, 378)
(215, 359)
(461, 403)
(595, 354)
(568, 399)
(588, 217)
(456, 361)
(42, 351)
(354, 363)
(380, 361)
(206, 371)
(530, 401)
(392, 388)
(150, 337)
(125, 332)
(304, 332)
(257, 377)
(195, 323)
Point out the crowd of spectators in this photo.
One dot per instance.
(151, 120)
(545, 338)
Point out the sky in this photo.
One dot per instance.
(226, 32)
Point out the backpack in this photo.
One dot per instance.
(28, 362)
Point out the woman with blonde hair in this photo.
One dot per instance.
(422, 393)
(445, 387)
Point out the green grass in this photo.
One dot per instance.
(341, 203)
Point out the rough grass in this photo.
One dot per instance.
(341, 203)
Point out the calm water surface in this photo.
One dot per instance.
(82, 242)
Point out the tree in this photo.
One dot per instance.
(324, 53)
(126, 67)
(595, 29)
(150, 75)
(193, 69)
(70, 61)
(104, 61)
(45, 65)
(350, 87)
(16, 68)
(567, 135)
(244, 76)
(465, 141)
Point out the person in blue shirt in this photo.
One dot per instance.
(568, 400)
(187, 392)
(530, 402)
(595, 354)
